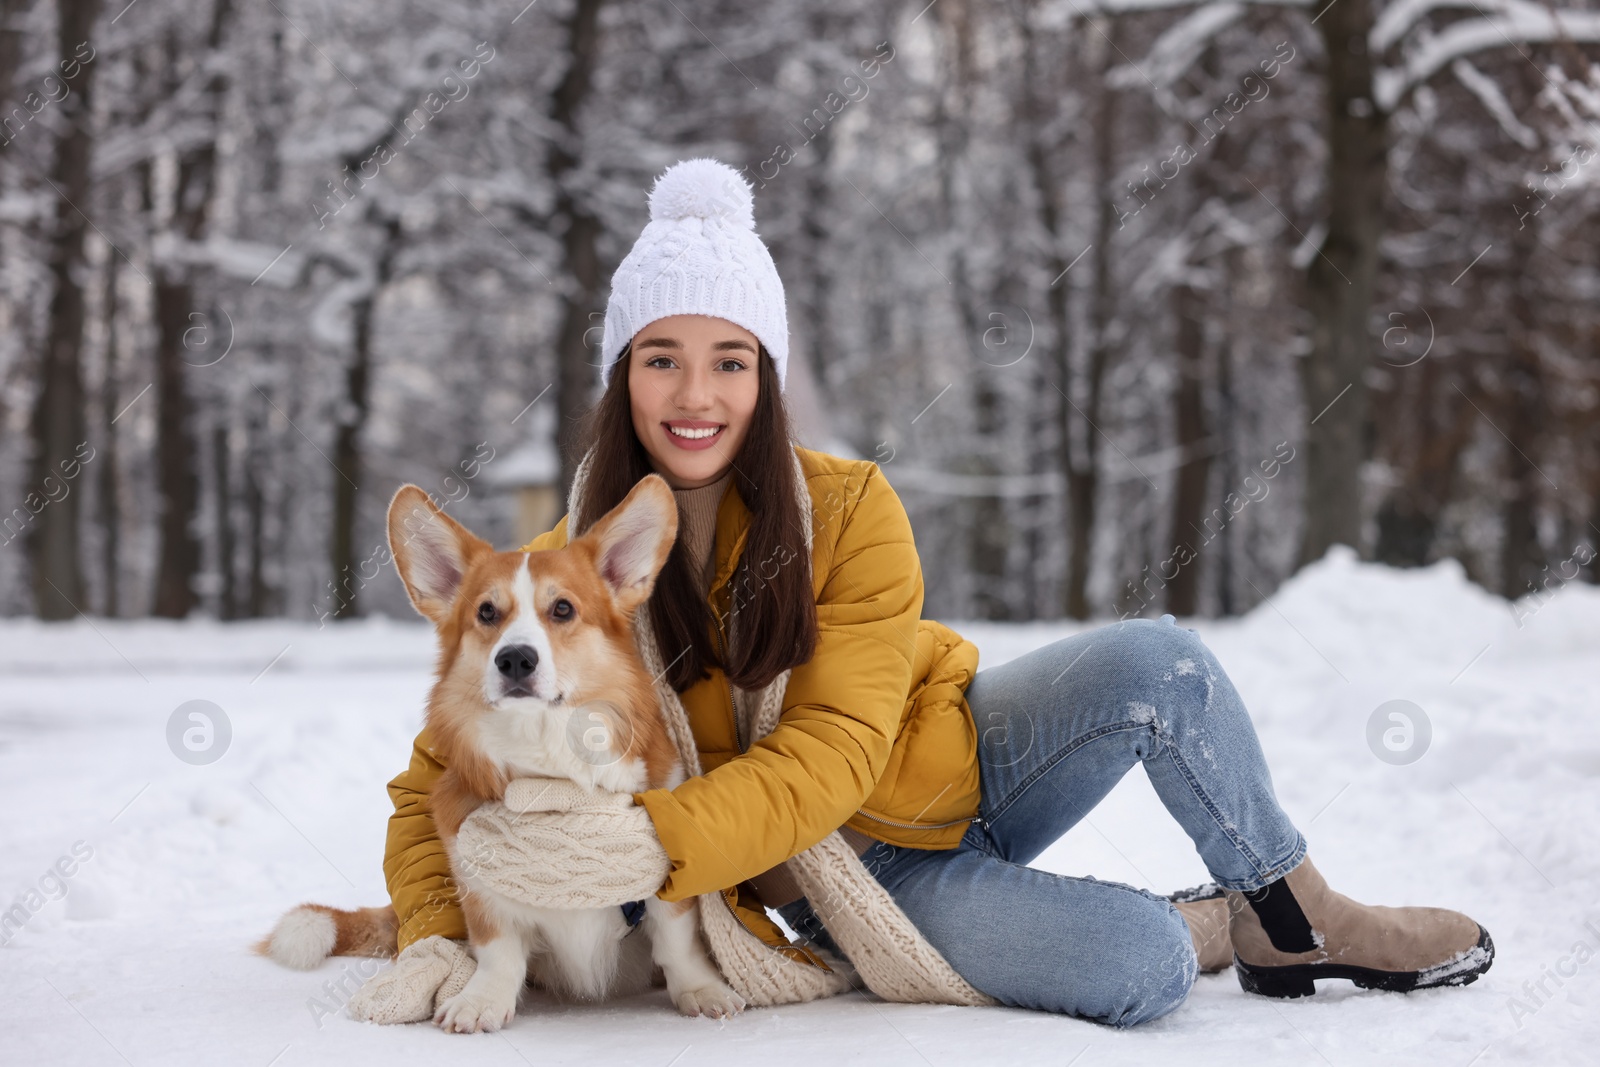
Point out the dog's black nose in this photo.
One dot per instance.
(516, 662)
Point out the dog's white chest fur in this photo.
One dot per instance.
(533, 739)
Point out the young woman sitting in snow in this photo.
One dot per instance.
(840, 776)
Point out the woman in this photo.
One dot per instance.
(947, 780)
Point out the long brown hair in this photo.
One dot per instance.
(778, 612)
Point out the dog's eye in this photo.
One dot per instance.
(561, 609)
(487, 612)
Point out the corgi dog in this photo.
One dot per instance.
(530, 643)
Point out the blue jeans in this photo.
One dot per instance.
(1057, 728)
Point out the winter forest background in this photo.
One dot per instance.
(1140, 304)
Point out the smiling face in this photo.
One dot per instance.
(692, 386)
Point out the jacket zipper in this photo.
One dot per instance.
(912, 825)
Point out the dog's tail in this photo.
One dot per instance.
(311, 933)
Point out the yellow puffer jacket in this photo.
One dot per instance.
(875, 731)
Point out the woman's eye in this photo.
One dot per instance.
(666, 363)
(561, 609)
(487, 612)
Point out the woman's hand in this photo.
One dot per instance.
(553, 843)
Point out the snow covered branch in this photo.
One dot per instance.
(1494, 101)
(1177, 49)
(1085, 8)
(1517, 24)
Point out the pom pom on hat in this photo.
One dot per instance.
(703, 189)
(699, 255)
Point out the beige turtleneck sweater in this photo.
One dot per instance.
(697, 522)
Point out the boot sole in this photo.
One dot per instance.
(1299, 979)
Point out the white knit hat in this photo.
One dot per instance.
(698, 255)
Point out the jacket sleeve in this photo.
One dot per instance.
(841, 712)
(414, 861)
(415, 864)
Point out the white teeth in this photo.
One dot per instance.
(694, 434)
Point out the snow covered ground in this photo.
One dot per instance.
(142, 878)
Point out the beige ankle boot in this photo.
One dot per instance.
(1298, 930)
(1208, 927)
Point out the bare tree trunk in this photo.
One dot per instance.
(1038, 99)
(1427, 452)
(1339, 285)
(11, 36)
(817, 302)
(985, 520)
(1191, 432)
(1522, 393)
(580, 266)
(109, 459)
(353, 419)
(1083, 478)
(177, 446)
(11, 33)
(11, 12)
(1227, 452)
(289, 400)
(177, 483)
(58, 422)
(258, 596)
(1592, 570)
(227, 586)
(1189, 420)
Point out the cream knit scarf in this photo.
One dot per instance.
(891, 957)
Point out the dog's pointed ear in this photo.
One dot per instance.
(431, 551)
(633, 539)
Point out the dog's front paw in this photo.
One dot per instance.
(468, 1012)
(716, 1000)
